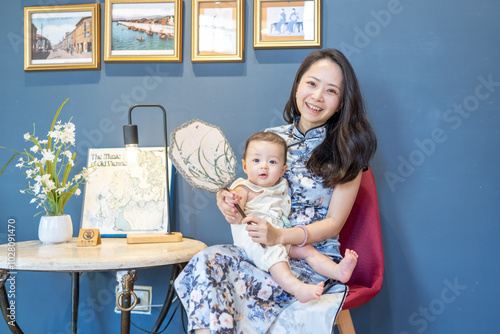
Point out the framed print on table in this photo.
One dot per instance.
(62, 37)
(127, 195)
(217, 32)
(143, 31)
(287, 24)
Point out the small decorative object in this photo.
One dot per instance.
(143, 31)
(287, 24)
(62, 37)
(47, 166)
(217, 33)
(203, 156)
(88, 237)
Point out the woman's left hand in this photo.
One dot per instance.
(261, 231)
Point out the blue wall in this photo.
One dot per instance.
(429, 71)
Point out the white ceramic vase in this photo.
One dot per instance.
(55, 229)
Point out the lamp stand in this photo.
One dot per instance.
(131, 138)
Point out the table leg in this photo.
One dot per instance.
(176, 270)
(123, 301)
(75, 298)
(4, 304)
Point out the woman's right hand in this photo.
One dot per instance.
(226, 201)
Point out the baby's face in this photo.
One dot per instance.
(264, 163)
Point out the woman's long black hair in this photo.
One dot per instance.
(350, 141)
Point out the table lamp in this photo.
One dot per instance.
(131, 139)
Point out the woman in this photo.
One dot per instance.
(329, 144)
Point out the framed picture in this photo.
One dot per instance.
(143, 31)
(217, 33)
(126, 195)
(62, 37)
(287, 24)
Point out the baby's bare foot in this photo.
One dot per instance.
(347, 265)
(309, 292)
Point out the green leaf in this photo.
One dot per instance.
(8, 162)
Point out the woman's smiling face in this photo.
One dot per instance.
(319, 94)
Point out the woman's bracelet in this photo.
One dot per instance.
(307, 235)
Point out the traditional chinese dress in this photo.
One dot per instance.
(223, 290)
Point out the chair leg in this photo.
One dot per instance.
(344, 323)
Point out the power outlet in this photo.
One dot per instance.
(144, 299)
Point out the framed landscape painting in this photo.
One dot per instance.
(62, 37)
(287, 24)
(143, 31)
(217, 32)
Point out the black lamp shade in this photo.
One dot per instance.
(130, 135)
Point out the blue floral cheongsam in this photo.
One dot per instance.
(223, 290)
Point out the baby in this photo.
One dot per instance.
(265, 194)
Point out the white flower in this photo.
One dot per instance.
(226, 320)
(29, 173)
(69, 127)
(33, 200)
(20, 165)
(34, 149)
(78, 192)
(265, 292)
(309, 212)
(307, 182)
(302, 219)
(50, 185)
(48, 155)
(240, 288)
(27, 136)
(36, 188)
(196, 296)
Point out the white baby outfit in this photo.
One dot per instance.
(271, 203)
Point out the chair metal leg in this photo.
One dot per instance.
(344, 323)
(176, 270)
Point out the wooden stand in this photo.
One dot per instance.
(145, 238)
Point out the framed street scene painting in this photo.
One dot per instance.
(143, 31)
(217, 31)
(287, 24)
(61, 37)
(127, 191)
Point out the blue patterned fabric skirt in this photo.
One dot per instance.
(222, 290)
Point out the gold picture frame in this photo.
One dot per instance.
(218, 30)
(143, 31)
(287, 24)
(62, 37)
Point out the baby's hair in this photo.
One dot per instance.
(269, 137)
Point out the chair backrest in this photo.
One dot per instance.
(362, 233)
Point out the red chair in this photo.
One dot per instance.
(362, 233)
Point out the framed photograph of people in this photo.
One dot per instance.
(62, 37)
(287, 24)
(143, 31)
(217, 33)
